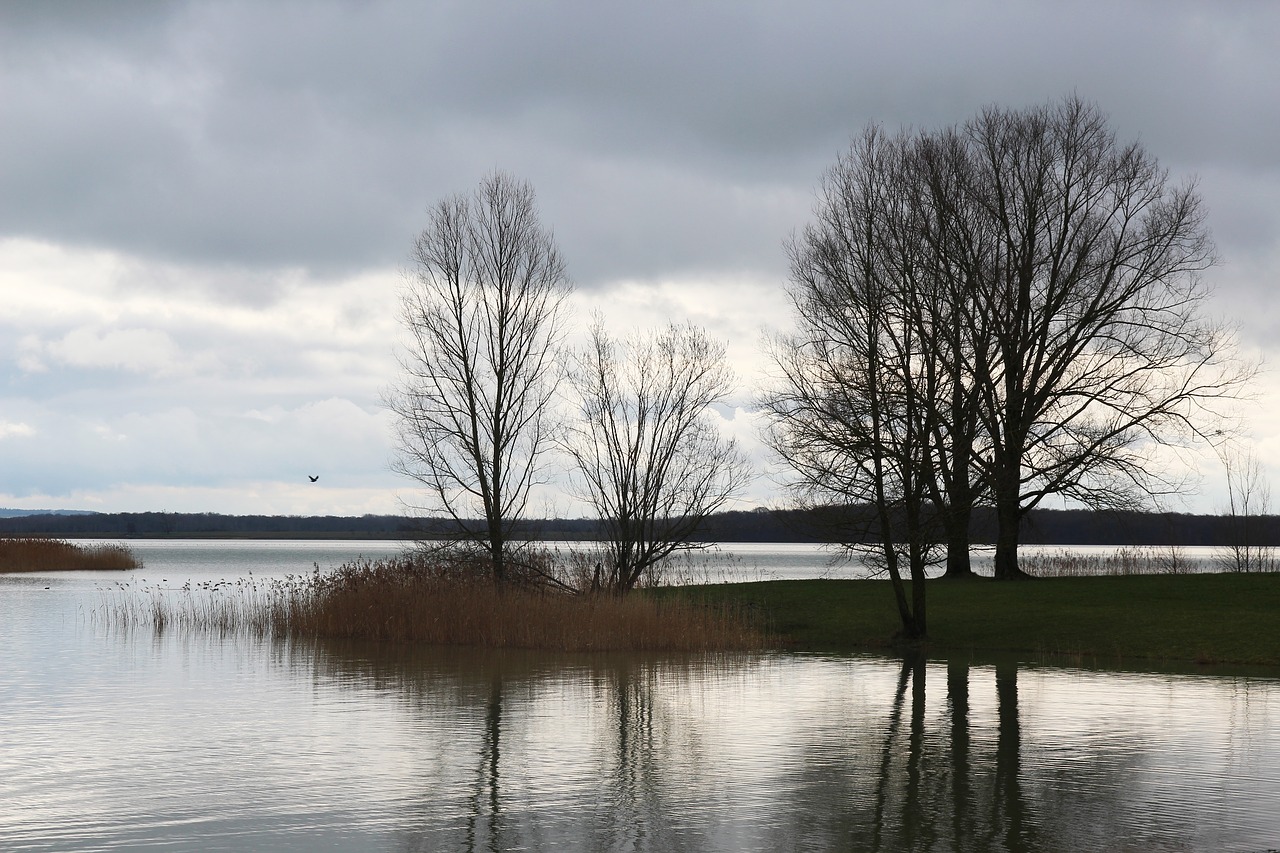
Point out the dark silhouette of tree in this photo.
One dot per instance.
(483, 308)
(857, 411)
(1091, 297)
(1003, 311)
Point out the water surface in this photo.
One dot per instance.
(128, 740)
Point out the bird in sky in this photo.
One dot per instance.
(313, 477)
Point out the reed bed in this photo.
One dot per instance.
(37, 554)
(225, 607)
(413, 599)
(1121, 562)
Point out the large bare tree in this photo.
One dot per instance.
(1091, 299)
(648, 456)
(1001, 311)
(483, 306)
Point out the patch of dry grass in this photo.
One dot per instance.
(415, 599)
(37, 554)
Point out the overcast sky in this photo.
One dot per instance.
(205, 208)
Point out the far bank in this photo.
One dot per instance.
(1042, 527)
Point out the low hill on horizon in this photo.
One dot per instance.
(8, 512)
(1042, 527)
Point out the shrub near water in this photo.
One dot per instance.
(413, 600)
(418, 599)
(34, 554)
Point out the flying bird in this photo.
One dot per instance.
(314, 477)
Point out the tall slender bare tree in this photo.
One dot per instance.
(647, 454)
(854, 413)
(483, 306)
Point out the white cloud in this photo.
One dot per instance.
(9, 429)
(137, 350)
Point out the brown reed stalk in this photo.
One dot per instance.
(415, 599)
(1126, 560)
(38, 554)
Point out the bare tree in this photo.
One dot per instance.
(876, 406)
(648, 456)
(483, 307)
(1003, 311)
(1091, 300)
(855, 410)
(937, 242)
(1248, 498)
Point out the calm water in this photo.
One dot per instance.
(188, 742)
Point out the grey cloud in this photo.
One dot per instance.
(249, 155)
(315, 134)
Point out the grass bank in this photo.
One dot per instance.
(37, 554)
(1217, 618)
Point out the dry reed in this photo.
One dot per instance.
(37, 554)
(417, 600)
(1129, 560)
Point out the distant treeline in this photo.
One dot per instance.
(1043, 527)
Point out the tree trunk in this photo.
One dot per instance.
(1009, 521)
(498, 555)
(956, 521)
(900, 595)
(919, 625)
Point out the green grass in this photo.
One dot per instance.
(1218, 618)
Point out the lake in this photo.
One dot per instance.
(127, 740)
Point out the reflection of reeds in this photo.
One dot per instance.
(411, 600)
(37, 554)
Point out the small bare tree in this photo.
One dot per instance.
(1248, 498)
(648, 456)
(483, 308)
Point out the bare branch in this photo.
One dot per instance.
(647, 456)
(482, 305)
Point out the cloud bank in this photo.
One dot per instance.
(208, 205)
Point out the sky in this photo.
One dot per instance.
(207, 208)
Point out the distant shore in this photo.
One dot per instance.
(1043, 527)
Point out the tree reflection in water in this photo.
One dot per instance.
(632, 754)
(484, 820)
(1008, 811)
(926, 794)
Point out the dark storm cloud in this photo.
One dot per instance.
(663, 138)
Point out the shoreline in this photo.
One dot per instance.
(1205, 620)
